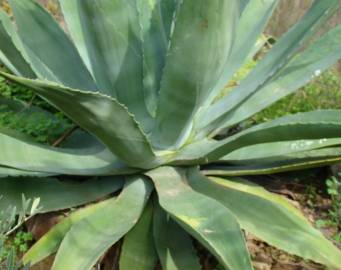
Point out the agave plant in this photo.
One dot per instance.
(162, 155)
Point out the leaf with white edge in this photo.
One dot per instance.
(88, 240)
(269, 217)
(66, 194)
(174, 246)
(204, 218)
(100, 115)
(204, 29)
(138, 251)
(36, 27)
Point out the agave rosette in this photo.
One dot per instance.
(141, 79)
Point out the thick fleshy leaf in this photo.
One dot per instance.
(269, 217)
(102, 116)
(89, 239)
(35, 63)
(156, 20)
(302, 126)
(50, 242)
(253, 20)
(173, 244)
(204, 29)
(66, 194)
(305, 160)
(138, 251)
(243, 4)
(273, 152)
(306, 66)
(204, 218)
(6, 172)
(282, 52)
(90, 160)
(10, 56)
(39, 33)
(109, 32)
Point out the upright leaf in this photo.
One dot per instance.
(251, 24)
(204, 29)
(39, 32)
(108, 36)
(156, 20)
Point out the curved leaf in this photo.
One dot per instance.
(269, 217)
(301, 161)
(301, 126)
(204, 218)
(102, 116)
(66, 194)
(138, 250)
(91, 160)
(50, 242)
(89, 239)
(174, 246)
(273, 152)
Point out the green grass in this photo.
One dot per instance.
(322, 93)
(42, 127)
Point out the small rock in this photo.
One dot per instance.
(261, 266)
(263, 258)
